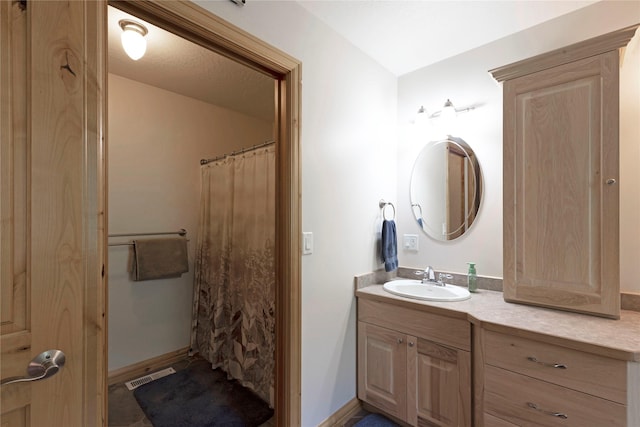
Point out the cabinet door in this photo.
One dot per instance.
(438, 384)
(560, 187)
(382, 369)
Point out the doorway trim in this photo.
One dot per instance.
(200, 26)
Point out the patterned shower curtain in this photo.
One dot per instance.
(234, 300)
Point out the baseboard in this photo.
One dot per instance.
(150, 365)
(343, 414)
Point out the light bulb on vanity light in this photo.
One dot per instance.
(447, 118)
(448, 112)
(421, 116)
(133, 40)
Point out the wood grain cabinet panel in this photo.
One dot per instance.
(526, 401)
(561, 173)
(491, 421)
(407, 373)
(382, 367)
(560, 214)
(528, 382)
(588, 373)
(440, 377)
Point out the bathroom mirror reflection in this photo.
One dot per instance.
(446, 188)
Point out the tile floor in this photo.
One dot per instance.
(125, 412)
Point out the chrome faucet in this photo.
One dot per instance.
(429, 276)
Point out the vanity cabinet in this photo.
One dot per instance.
(531, 367)
(414, 365)
(534, 383)
(561, 210)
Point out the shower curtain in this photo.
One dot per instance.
(234, 299)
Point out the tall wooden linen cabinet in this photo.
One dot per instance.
(561, 189)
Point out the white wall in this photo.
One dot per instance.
(348, 165)
(156, 140)
(466, 81)
(629, 165)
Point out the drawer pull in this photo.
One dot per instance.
(553, 414)
(547, 364)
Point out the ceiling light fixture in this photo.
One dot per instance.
(133, 40)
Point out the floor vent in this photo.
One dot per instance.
(133, 384)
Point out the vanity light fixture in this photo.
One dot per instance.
(133, 40)
(448, 110)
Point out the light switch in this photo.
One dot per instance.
(307, 243)
(411, 242)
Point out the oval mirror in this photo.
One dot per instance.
(446, 188)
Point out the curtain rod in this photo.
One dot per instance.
(234, 153)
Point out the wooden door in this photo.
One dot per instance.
(438, 384)
(51, 206)
(382, 369)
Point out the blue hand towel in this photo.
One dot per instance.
(389, 245)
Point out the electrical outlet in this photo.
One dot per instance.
(411, 242)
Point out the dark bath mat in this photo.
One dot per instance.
(198, 396)
(375, 420)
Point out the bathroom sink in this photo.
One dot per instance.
(417, 290)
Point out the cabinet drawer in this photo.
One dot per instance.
(596, 375)
(491, 421)
(441, 329)
(526, 401)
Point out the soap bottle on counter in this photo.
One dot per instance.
(471, 277)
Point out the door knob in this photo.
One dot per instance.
(43, 366)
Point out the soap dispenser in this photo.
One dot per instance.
(471, 277)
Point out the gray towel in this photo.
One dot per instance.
(159, 258)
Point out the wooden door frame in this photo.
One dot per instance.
(200, 26)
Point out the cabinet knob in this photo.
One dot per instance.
(400, 340)
(610, 181)
(411, 343)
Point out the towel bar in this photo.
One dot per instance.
(181, 232)
(129, 243)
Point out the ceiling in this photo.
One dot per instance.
(404, 36)
(177, 65)
(401, 35)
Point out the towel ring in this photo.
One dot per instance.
(383, 205)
